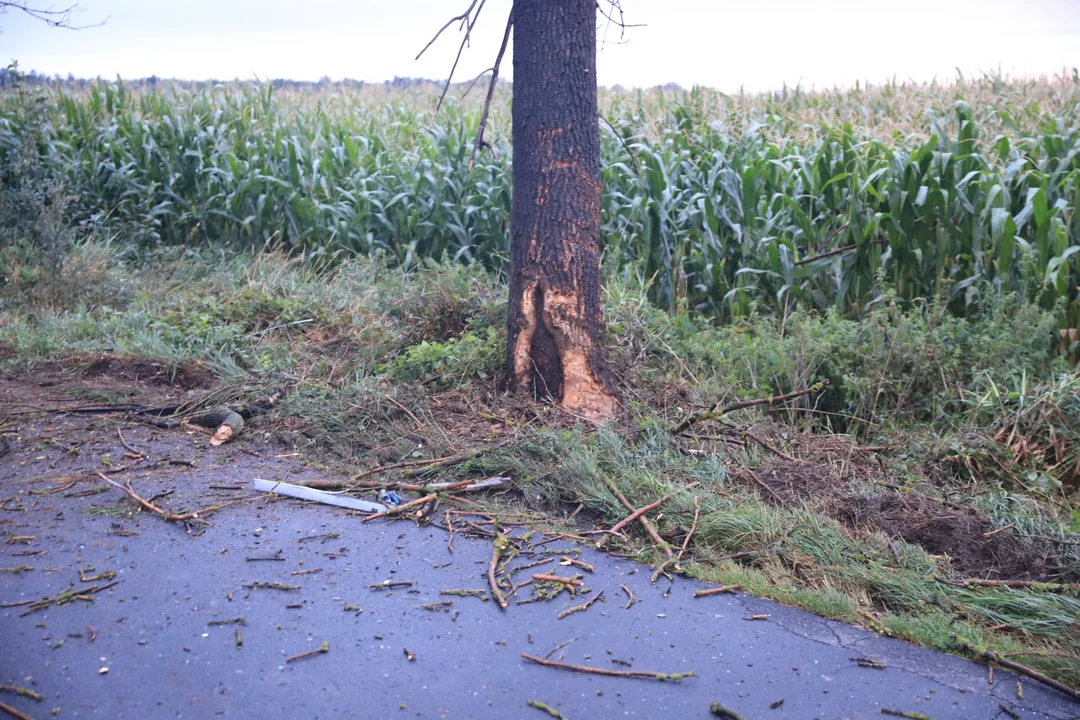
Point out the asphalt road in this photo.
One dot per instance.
(164, 659)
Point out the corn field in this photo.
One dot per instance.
(724, 204)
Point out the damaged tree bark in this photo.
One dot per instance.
(556, 324)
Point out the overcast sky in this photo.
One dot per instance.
(725, 44)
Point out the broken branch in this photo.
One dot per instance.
(479, 142)
(717, 412)
(982, 653)
(502, 542)
(580, 608)
(657, 540)
(324, 648)
(605, 671)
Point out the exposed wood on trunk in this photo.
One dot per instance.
(556, 320)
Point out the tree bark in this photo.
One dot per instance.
(556, 344)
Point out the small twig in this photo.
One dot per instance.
(580, 608)
(760, 483)
(18, 714)
(324, 648)
(419, 425)
(631, 599)
(52, 491)
(24, 692)
(657, 540)
(1000, 529)
(546, 708)
(569, 582)
(499, 547)
(451, 21)
(717, 412)
(901, 713)
(868, 663)
(449, 529)
(564, 560)
(723, 711)
(491, 92)
(130, 449)
(261, 585)
(559, 647)
(717, 591)
(390, 584)
(171, 517)
(693, 527)
(605, 671)
(468, 22)
(463, 592)
(434, 462)
(991, 657)
(397, 510)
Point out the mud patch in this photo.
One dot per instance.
(184, 377)
(960, 533)
(834, 482)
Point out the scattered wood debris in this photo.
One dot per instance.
(85, 594)
(390, 584)
(260, 585)
(461, 592)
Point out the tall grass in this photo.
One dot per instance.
(731, 203)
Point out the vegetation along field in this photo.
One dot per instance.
(915, 246)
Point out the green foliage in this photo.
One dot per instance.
(890, 366)
(730, 202)
(460, 360)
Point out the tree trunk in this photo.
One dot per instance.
(556, 345)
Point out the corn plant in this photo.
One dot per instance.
(921, 193)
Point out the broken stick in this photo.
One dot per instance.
(605, 671)
(580, 608)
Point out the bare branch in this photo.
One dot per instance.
(491, 90)
(615, 8)
(476, 79)
(57, 18)
(468, 22)
(451, 21)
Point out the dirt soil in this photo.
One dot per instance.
(847, 483)
(171, 619)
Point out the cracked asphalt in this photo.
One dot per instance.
(146, 647)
